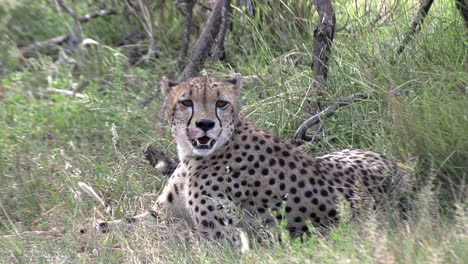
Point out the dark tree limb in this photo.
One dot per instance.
(204, 43)
(462, 6)
(68, 10)
(416, 25)
(186, 7)
(219, 52)
(330, 110)
(323, 37)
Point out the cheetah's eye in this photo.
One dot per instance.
(186, 103)
(221, 104)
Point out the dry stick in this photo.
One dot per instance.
(204, 43)
(187, 10)
(89, 190)
(416, 25)
(219, 52)
(28, 49)
(462, 6)
(330, 110)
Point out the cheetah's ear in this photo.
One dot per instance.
(236, 81)
(166, 85)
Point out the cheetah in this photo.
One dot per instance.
(229, 168)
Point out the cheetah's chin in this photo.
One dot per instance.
(203, 143)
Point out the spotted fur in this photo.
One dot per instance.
(229, 168)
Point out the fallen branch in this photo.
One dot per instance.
(204, 43)
(28, 49)
(24, 235)
(416, 25)
(330, 110)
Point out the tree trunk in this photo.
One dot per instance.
(323, 37)
(462, 6)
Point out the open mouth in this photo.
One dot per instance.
(203, 142)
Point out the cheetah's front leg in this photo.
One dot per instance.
(218, 218)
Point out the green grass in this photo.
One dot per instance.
(416, 113)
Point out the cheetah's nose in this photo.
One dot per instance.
(205, 124)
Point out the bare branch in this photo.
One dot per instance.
(67, 9)
(330, 110)
(204, 43)
(416, 25)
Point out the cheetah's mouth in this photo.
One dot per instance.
(203, 142)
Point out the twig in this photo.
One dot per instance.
(330, 110)
(416, 25)
(204, 43)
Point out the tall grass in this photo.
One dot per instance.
(416, 113)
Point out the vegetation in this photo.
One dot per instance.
(416, 113)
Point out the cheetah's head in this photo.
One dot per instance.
(203, 112)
